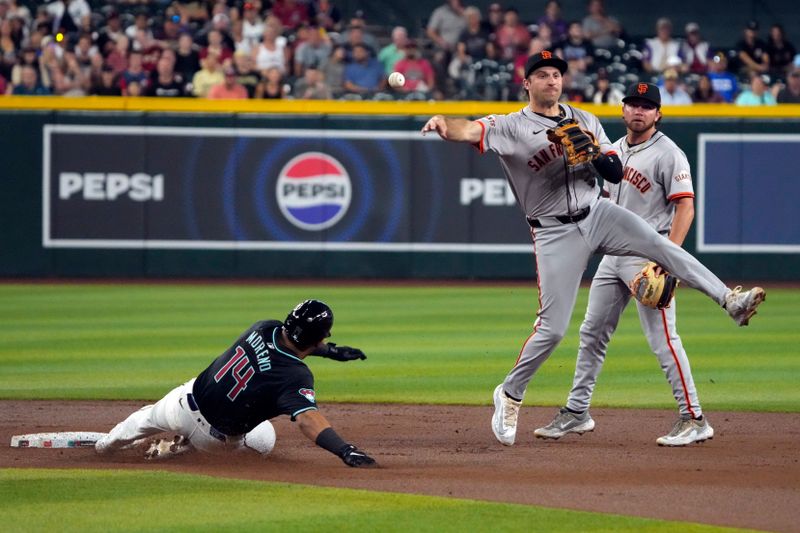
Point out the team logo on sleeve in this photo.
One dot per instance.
(313, 191)
(308, 394)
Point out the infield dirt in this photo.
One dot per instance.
(748, 476)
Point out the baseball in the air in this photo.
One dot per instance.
(396, 79)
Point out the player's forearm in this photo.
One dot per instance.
(312, 423)
(460, 130)
(684, 215)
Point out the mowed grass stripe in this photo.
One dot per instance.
(425, 344)
(90, 500)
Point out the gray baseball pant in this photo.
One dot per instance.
(562, 253)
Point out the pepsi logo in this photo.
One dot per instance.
(313, 191)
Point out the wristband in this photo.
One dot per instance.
(331, 441)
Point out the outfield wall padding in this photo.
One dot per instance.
(148, 193)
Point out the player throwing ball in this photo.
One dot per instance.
(657, 186)
(551, 155)
(261, 376)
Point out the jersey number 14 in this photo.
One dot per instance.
(241, 371)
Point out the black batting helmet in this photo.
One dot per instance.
(308, 323)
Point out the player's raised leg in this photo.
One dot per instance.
(641, 239)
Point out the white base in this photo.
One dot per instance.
(62, 439)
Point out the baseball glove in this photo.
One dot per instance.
(580, 146)
(653, 290)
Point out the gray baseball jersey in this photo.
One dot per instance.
(656, 173)
(536, 168)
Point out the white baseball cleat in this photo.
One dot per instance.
(741, 306)
(686, 431)
(566, 422)
(167, 448)
(504, 420)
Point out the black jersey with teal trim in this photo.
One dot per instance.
(254, 380)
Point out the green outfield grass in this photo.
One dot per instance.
(87, 500)
(426, 344)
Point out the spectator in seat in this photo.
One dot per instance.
(134, 72)
(209, 75)
(363, 74)
(395, 50)
(694, 51)
(246, 73)
(164, 81)
(511, 36)
(552, 18)
(229, 89)
(576, 46)
(671, 91)
(312, 86)
(446, 24)
(494, 19)
(187, 58)
(327, 15)
(661, 49)
(474, 45)
(604, 92)
(780, 52)
(271, 52)
(416, 69)
(602, 30)
(790, 93)
(333, 70)
(107, 84)
(757, 94)
(313, 51)
(217, 44)
(272, 85)
(704, 93)
(291, 13)
(723, 82)
(29, 84)
(252, 25)
(752, 51)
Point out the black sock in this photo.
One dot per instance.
(574, 412)
(511, 397)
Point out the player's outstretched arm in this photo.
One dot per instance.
(317, 428)
(454, 129)
(339, 353)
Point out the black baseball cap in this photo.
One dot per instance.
(643, 91)
(545, 58)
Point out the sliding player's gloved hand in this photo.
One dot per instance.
(342, 353)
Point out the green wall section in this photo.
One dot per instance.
(22, 253)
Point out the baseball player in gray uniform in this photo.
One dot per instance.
(657, 186)
(568, 219)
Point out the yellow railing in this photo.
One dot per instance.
(339, 107)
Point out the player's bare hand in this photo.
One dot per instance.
(438, 124)
(354, 457)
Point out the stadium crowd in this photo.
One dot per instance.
(309, 49)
